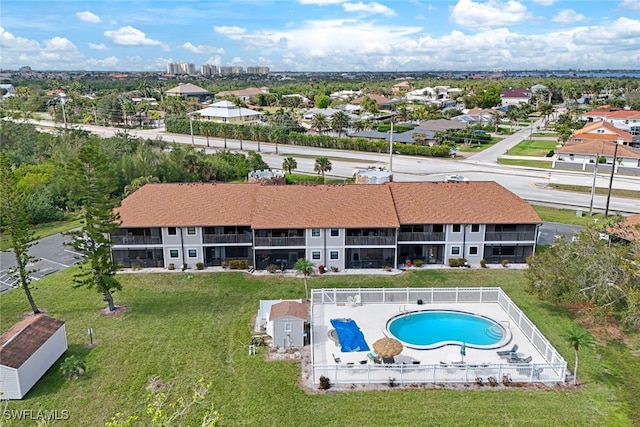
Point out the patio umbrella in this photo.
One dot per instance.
(463, 350)
(387, 347)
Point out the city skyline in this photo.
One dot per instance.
(322, 35)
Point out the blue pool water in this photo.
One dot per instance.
(436, 328)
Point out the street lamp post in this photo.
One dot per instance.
(191, 128)
(593, 185)
(240, 129)
(391, 147)
(613, 169)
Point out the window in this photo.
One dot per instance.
(335, 232)
(315, 232)
(438, 228)
(173, 253)
(172, 231)
(315, 255)
(333, 254)
(455, 250)
(456, 228)
(288, 327)
(475, 228)
(473, 250)
(191, 231)
(193, 253)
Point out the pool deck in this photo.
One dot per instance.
(372, 319)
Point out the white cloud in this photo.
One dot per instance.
(99, 46)
(229, 31)
(493, 13)
(629, 4)
(59, 44)
(129, 36)
(568, 16)
(9, 41)
(545, 2)
(202, 49)
(89, 17)
(369, 8)
(110, 63)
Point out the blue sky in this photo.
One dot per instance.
(321, 35)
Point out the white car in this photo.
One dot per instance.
(455, 178)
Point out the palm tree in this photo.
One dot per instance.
(289, 164)
(339, 121)
(322, 165)
(319, 122)
(546, 110)
(576, 338)
(305, 267)
(206, 128)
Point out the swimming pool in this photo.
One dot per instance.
(428, 329)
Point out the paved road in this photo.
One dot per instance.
(550, 231)
(51, 255)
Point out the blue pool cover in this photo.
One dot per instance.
(349, 335)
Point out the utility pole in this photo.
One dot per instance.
(391, 147)
(191, 128)
(613, 169)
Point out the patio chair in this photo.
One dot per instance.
(388, 360)
(517, 359)
(508, 353)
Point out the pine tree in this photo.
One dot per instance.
(93, 181)
(16, 223)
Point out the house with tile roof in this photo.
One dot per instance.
(27, 351)
(583, 156)
(600, 131)
(342, 226)
(627, 120)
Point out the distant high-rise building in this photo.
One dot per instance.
(227, 71)
(257, 70)
(176, 68)
(208, 70)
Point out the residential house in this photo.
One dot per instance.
(440, 125)
(584, 157)
(600, 131)
(401, 87)
(189, 90)
(515, 96)
(27, 351)
(382, 102)
(627, 120)
(228, 112)
(342, 226)
(244, 94)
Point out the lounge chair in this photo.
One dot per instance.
(508, 353)
(517, 359)
(388, 360)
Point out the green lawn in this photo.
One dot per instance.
(565, 216)
(44, 230)
(184, 326)
(541, 164)
(532, 148)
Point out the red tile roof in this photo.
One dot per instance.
(599, 147)
(482, 202)
(323, 206)
(24, 338)
(612, 133)
(629, 229)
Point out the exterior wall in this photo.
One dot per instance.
(282, 338)
(9, 383)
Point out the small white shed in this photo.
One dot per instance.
(287, 321)
(27, 350)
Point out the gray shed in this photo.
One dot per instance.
(287, 323)
(28, 349)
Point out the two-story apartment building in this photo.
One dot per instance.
(343, 226)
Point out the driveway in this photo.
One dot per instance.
(549, 231)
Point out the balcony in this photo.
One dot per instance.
(279, 241)
(511, 236)
(420, 237)
(136, 240)
(370, 240)
(227, 238)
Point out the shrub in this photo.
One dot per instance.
(272, 268)
(172, 266)
(321, 269)
(325, 383)
(335, 269)
(483, 263)
(200, 265)
(184, 266)
(479, 381)
(418, 262)
(493, 381)
(505, 263)
(392, 382)
(457, 262)
(506, 379)
(239, 264)
(387, 268)
(72, 368)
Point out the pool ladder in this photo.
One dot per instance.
(494, 331)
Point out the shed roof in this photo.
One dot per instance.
(24, 338)
(289, 308)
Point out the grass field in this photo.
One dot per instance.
(532, 148)
(44, 230)
(186, 326)
(541, 164)
(565, 216)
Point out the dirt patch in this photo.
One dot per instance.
(607, 329)
(119, 309)
(28, 314)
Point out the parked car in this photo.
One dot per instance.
(455, 178)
